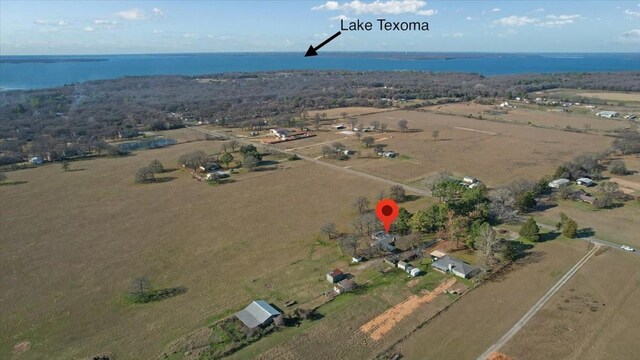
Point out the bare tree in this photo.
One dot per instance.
(358, 225)
(435, 134)
(371, 223)
(224, 147)
(140, 286)
(329, 229)
(144, 175)
(403, 125)
(362, 204)
(233, 144)
(383, 126)
(316, 121)
(368, 141)
(350, 244)
(65, 166)
(375, 124)
(488, 246)
(353, 122)
(502, 205)
(397, 193)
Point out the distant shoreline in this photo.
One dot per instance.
(48, 71)
(43, 60)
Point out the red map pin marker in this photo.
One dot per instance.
(387, 211)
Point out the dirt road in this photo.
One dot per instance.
(537, 306)
(409, 188)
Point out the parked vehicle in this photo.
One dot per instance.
(628, 248)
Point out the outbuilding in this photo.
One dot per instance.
(402, 265)
(36, 160)
(335, 276)
(556, 184)
(437, 254)
(415, 272)
(585, 182)
(258, 313)
(344, 286)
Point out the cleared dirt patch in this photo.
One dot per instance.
(385, 322)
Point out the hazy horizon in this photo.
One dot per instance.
(160, 27)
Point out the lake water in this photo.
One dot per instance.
(28, 72)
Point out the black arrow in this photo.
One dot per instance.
(312, 50)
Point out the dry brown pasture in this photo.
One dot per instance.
(596, 315)
(182, 135)
(482, 316)
(514, 151)
(351, 111)
(615, 96)
(542, 116)
(73, 241)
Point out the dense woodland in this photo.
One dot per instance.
(77, 118)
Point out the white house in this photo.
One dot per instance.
(608, 114)
(280, 133)
(414, 272)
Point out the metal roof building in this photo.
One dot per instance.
(258, 313)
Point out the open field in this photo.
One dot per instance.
(73, 241)
(464, 147)
(351, 111)
(596, 315)
(182, 135)
(615, 96)
(481, 317)
(580, 118)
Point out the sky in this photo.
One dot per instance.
(137, 27)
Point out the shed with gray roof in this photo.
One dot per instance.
(258, 313)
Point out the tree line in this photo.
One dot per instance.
(76, 119)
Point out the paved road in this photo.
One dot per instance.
(361, 174)
(538, 305)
